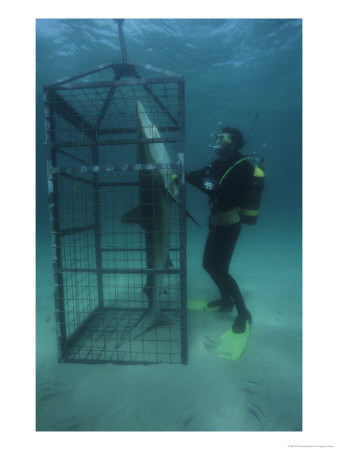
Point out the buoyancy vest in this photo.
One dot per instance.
(248, 210)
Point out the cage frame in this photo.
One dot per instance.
(121, 70)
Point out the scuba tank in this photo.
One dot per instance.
(248, 211)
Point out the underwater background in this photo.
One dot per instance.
(232, 69)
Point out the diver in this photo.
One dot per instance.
(234, 183)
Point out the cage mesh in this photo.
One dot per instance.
(119, 281)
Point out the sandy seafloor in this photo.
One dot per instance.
(260, 392)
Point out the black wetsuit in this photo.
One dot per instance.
(221, 241)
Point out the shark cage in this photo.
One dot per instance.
(117, 214)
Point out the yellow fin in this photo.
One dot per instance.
(197, 305)
(232, 345)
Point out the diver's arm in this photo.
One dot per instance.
(196, 177)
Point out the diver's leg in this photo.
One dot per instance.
(217, 256)
(243, 314)
(231, 234)
(214, 263)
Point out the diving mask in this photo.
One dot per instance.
(220, 141)
(223, 139)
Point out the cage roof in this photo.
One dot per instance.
(115, 71)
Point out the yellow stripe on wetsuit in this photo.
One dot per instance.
(225, 218)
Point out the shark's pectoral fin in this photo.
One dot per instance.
(133, 216)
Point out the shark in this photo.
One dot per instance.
(158, 195)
